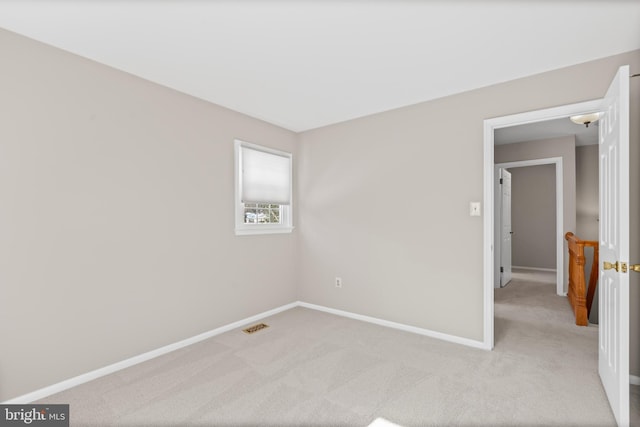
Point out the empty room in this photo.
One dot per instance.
(189, 235)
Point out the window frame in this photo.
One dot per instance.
(286, 211)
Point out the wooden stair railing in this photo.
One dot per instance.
(580, 299)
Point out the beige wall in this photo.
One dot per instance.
(385, 201)
(587, 192)
(117, 218)
(533, 216)
(564, 147)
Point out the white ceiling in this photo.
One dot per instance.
(548, 129)
(305, 64)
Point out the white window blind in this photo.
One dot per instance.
(266, 177)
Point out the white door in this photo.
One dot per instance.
(505, 227)
(613, 357)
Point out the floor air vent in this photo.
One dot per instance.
(255, 328)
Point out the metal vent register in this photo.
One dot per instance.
(255, 328)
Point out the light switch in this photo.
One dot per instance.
(474, 209)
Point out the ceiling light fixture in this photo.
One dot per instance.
(585, 119)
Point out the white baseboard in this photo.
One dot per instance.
(552, 270)
(83, 378)
(413, 329)
(634, 380)
(101, 372)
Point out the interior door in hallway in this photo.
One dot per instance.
(613, 353)
(505, 227)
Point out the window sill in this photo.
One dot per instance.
(247, 231)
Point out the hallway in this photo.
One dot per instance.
(522, 276)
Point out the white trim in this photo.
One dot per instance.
(557, 161)
(488, 252)
(490, 125)
(381, 322)
(634, 380)
(101, 372)
(550, 270)
(544, 114)
(264, 229)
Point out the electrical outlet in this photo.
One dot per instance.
(338, 282)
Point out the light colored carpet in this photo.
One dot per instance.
(313, 368)
(523, 274)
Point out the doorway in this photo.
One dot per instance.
(613, 152)
(490, 126)
(559, 218)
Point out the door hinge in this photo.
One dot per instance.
(501, 269)
(500, 180)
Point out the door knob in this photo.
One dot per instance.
(635, 267)
(618, 266)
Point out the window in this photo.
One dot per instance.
(263, 189)
(261, 213)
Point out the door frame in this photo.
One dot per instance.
(490, 125)
(557, 161)
(498, 212)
